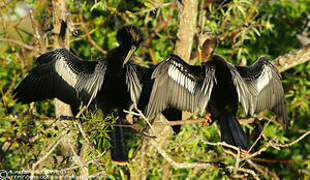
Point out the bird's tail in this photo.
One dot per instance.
(119, 152)
(232, 132)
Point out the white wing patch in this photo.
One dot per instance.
(264, 78)
(65, 72)
(175, 73)
(133, 84)
(92, 83)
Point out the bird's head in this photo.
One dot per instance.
(207, 44)
(129, 37)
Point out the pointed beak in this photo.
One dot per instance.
(130, 53)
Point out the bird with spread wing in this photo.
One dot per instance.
(63, 75)
(218, 86)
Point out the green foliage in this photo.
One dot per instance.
(247, 29)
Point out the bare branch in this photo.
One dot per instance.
(249, 171)
(260, 135)
(294, 142)
(180, 122)
(175, 164)
(90, 39)
(51, 149)
(292, 59)
(26, 46)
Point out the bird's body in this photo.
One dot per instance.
(219, 87)
(223, 104)
(61, 74)
(114, 94)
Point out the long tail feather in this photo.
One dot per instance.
(232, 132)
(119, 153)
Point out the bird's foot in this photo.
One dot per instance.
(208, 120)
(120, 162)
(243, 152)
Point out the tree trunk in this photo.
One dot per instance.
(60, 14)
(69, 142)
(187, 17)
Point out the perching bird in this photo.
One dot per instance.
(218, 86)
(61, 74)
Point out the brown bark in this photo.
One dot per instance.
(59, 14)
(142, 161)
(69, 142)
(292, 59)
(187, 15)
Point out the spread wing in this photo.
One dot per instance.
(180, 85)
(63, 75)
(264, 83)
(134, 80)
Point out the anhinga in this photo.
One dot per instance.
(218, 86)
(61, 74)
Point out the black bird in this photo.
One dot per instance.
(218, 86)
(61, 74)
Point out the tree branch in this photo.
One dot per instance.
(51, 149)
(26, 46)
(90, 39)
(175, 164)
(292, 59)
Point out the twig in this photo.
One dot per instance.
(260, 135)
(218, 143)
(51, 149)
(249, 171)
(178, 165)
(284, 161)
(180, 122)
(81, 111)
(262, 169)
(79, 160)
(294, 142)
(260, 150)
(26, 46)
(140, 114)
(88, 142)
(237, 161)
(276, 145)
(90, 39)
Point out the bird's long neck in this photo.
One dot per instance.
(205, 56)
(126, 48)
(117, 57)
(208, 49)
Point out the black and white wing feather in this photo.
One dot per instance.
(134, 80)
(245, 97)
(264, 84)
(180, 85)
(63, 75)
